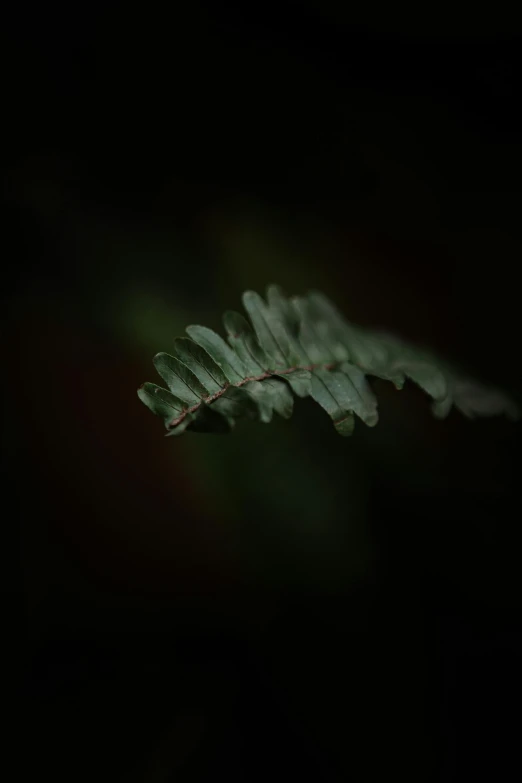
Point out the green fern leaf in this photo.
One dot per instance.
(301, 345)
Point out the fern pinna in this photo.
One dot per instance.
(301, 345)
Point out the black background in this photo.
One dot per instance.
(398, 139)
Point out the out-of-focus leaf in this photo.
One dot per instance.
(325, 391)
(473, 399)
(362, 400)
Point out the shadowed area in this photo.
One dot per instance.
(282, 603)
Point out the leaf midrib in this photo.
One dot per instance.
(248, 379)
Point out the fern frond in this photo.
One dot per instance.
(301, 345)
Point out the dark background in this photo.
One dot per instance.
(281, 604)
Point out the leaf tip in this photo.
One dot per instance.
(345, 426)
